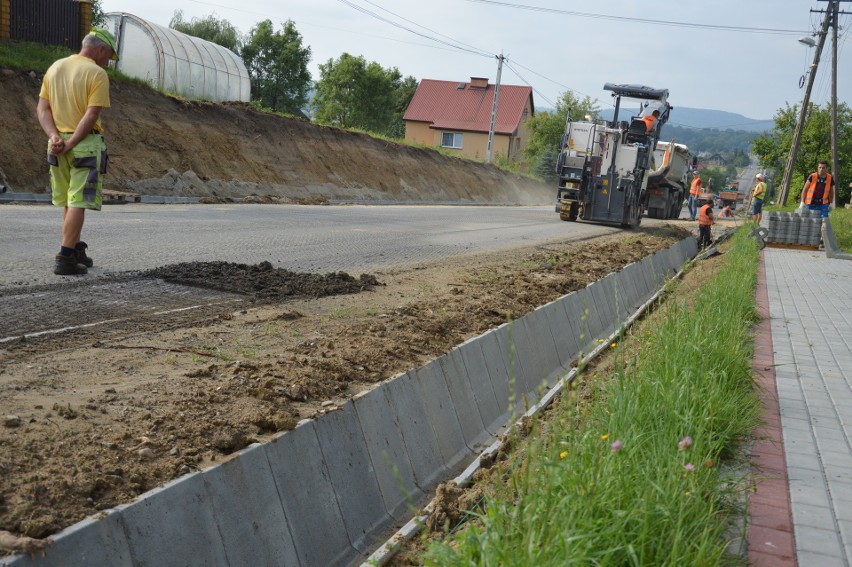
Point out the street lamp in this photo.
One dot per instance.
(805, 40)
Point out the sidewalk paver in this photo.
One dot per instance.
(810, 319)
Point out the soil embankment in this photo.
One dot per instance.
(161, 145)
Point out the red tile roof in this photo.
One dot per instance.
(448, 107)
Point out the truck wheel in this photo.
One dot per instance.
(676, 207)
(571, 215)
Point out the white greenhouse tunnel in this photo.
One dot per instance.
(174, 62)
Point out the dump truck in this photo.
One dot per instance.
(668, 183)
(730, 196)
(603, 165)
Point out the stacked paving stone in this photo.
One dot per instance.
(795, 228)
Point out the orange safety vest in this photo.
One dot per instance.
(826, 195)
(705, 216)
(695, 188)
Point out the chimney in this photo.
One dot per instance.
(479, 82)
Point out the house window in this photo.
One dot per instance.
(451, 140)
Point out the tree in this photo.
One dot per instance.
(773, 147)
(352, 93)
(98, 17)
(403, 93)
(546, 129)
(278, 67)
(221, 32)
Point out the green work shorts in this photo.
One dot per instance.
(76, 176)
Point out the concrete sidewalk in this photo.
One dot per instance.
(809, 299)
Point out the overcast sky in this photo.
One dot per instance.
(565, 45)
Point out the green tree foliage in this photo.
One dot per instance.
(714, 178)
(211, 28)
(709, 140)
(98, 17)
(546, 129)
(277, 64)
(773, 147)
(403, 93)
(352, 93)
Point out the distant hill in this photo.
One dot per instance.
(706, 118)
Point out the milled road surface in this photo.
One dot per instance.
(299, 238)
(319, 239)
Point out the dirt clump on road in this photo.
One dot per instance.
(261, 280)
(104, 416)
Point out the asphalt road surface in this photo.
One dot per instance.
(301, 238)
(128, 238)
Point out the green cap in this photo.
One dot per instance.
(107, 37)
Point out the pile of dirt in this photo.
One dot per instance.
(261, 281)
(97, 418)
(160, 145)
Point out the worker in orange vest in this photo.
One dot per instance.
(694, 192)
(650, 120)
(705, 221)
(817, 192)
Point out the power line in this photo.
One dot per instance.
(539, 93)
(415, 32)
(742, 29)
(425, 28)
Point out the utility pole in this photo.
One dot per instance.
(834, 164)
(500, 60)
(800, 124)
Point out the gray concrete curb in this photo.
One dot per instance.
(829, 241)
(322, 493)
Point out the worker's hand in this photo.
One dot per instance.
(57, 145)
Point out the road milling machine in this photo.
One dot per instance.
(604, 166)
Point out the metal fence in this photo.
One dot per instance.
(55, 22)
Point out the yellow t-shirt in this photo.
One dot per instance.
(71, 85)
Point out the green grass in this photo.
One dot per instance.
(841, 223)
(30, 55)
(570, 499)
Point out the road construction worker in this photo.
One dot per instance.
(694, 192)
(817, 192)
(705, 221)
(650, 120)
(725, 212)
(73, 92)
(757, 196)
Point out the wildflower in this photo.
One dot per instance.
(616, 446)
(599, 340)
(709, 463)
(689, 467)
(563, 454)
(687, 493)
(684, 443)
(613, 345)
(605, 436)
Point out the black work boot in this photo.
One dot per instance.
(68, 266)
(80, 252)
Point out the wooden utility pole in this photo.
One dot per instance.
(500, 60)
(835, 167)
(800, 124)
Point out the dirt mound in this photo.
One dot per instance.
(261, 280)
(161, 145)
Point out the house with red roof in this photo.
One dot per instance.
(457, 116)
